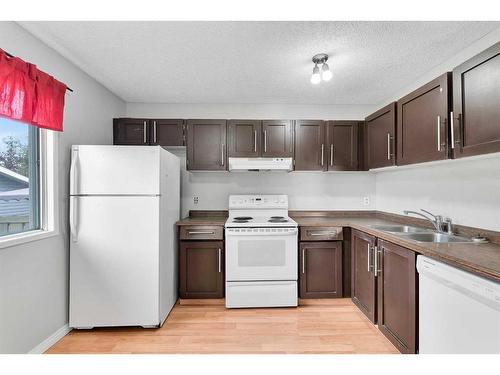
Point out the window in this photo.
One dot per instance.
(19, 177)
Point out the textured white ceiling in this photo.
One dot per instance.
(256, 62)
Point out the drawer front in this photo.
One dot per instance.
(201, 232)
(321, 233)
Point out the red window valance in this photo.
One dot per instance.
(29, 95)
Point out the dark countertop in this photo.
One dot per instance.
(481, 259)
(202, 220)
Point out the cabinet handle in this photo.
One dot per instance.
(331, 155)
(255, 141)
(388, 146)
(322, 154)
(452, 131)
(439, 133)
(144, 131)
(375, 255)
(154, 131)
(201, 232)
(368, 248)
(334, 233)
(265, 140)
(220, 260)
(222, 153)
(303, 260)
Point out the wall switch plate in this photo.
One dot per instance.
(366, 201)
(195, 200)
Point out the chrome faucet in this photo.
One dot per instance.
(436, 220)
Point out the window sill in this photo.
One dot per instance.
(21, 238)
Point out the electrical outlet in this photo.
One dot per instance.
(366, 201)
(195, 200)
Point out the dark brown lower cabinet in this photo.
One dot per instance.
(363, 281)
(201, 269)
(320, 274)
(397, 295)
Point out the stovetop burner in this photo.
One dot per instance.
(277, 217)
(242, 219)
(280, 220)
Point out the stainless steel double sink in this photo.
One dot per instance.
(421, 234)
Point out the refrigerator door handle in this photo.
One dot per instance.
(73, 218)
(74, 172)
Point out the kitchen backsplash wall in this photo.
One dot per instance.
(306, 190)
(467, 190)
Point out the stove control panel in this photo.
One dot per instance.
(258, 201)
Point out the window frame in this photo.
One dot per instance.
(48, 193)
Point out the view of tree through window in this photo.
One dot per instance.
(19, 194)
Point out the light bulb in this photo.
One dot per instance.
(326, 74)
(316, 77)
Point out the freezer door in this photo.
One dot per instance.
(114, 261)
(115, 170)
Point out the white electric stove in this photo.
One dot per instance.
(261, 252)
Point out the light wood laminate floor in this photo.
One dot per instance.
(316, 326)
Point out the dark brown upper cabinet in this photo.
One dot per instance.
(131, 131)
(363, 280)
(310, 152)
(201, 269)
(422, 125)
(320, 274)
(206, 145)
(397, 297)
(244, 138)
(476, 105)
(277, 139)
(342, 145)
(167, 132)
(380, 137)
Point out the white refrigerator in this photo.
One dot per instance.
(124, 202)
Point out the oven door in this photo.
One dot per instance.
(261, 254)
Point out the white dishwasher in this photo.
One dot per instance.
(458, 312)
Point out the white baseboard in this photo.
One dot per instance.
(51, 340)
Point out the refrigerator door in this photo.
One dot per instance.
(114, 261)
(115, 170)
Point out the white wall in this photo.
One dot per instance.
(306, 190)
(249, 111)
(34, 276)
(466, 190)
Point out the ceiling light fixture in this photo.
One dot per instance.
(326, 74)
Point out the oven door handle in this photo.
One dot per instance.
(229, 232)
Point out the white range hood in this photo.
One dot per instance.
(260, 164)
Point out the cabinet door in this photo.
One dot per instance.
(310, 153)
(201, 269)
(277, 139)
(130, 131)
(476, 104)
(397, 304)
(342, 145)
(244, 137)
(363, 282)
(168, 132)
(380, 140)
(422, 125)
(206, 145)
(320, 269)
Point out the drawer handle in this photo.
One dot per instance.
(201, 232)
(323, 234)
